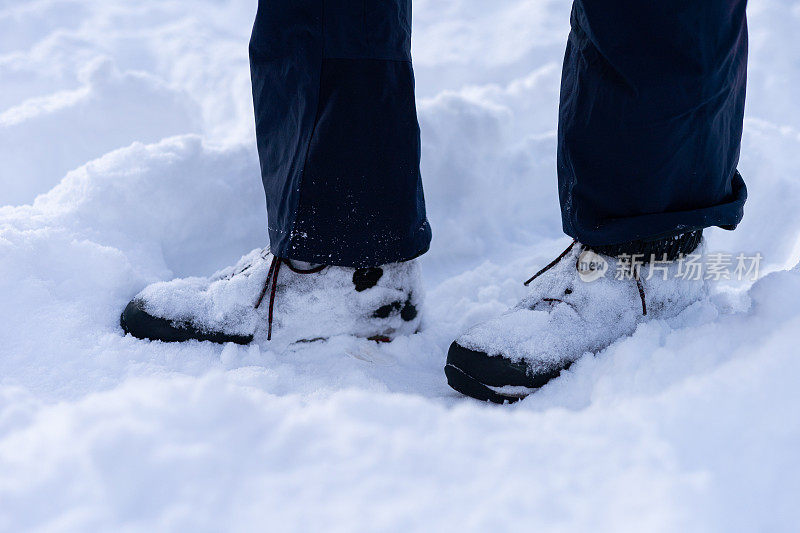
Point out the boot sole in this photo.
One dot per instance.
(469, 386)
(142, 325)
(493, 378)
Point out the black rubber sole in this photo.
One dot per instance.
(469, 386)
(142, 325)
(478, 375)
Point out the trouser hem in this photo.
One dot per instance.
(652, 227)
(353, 254)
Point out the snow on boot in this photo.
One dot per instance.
(266, 298)
(580, 303)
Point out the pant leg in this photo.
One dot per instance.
(337, 131)
(650, 120)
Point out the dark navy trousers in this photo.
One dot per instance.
(650, 124)
(650, 120)
(337, 131)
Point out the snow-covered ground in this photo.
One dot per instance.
(127, 156)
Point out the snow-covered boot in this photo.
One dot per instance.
(266, 298)
(580, 303)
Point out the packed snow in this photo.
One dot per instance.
(127, 156)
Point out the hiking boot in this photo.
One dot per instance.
(265, 298)
(580, 303)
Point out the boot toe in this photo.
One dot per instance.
(136, 321)
(492, 377)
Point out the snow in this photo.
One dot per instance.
(126, 136)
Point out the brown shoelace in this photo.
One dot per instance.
(554, 262)
(272, 278)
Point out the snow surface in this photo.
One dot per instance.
(126, 142)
